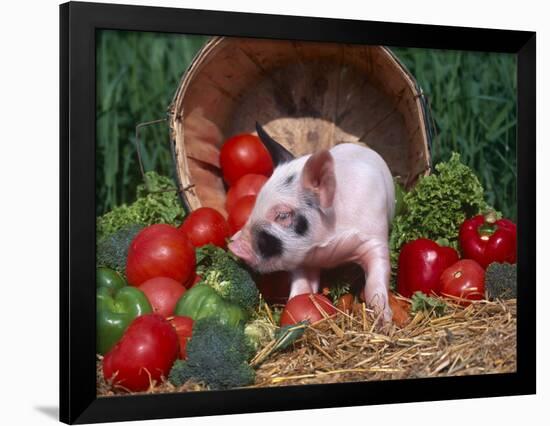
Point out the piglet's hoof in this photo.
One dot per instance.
(383, 320)
(381, 309)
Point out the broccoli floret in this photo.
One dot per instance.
(217, 355)
(225, 275)
(259, 332)
(112, 250)
(501, 281)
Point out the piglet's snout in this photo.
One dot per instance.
(240, 246)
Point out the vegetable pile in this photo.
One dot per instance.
(437, 206)
(445, 236)
(171, 301)
(175, 307)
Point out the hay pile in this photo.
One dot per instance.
(478, 339)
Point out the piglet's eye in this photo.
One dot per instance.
(282, 216)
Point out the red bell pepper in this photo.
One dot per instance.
(421, 263)
(486, 239)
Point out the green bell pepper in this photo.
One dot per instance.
(109, 278)
(202, 301)
(116, 308)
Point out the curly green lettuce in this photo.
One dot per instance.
(157, 202)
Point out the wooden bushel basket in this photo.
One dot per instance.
(307, 95)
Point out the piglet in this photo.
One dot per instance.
(319, 211)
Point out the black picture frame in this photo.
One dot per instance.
(78, 25)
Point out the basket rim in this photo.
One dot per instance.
(175, 113)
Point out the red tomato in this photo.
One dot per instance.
(163, 294)
(184, 330)
(160, 251)
(465, 280)
(240, 213)
(274, 287)
(148, 347)
(244, 154)
(247, 185)
(206, 225)
(301, 308)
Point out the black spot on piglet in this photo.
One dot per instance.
(301, 225)
(268, 244)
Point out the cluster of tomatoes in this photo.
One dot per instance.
(246, 165)
(165, 251)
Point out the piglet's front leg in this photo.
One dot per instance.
(375, 261)
(304, 280)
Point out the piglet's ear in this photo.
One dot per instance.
(278, 153)
(318, 177)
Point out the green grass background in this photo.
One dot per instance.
(472, 97)
(137, 75)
